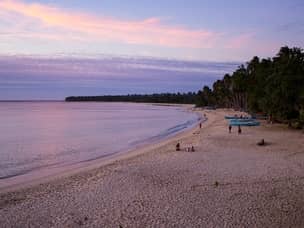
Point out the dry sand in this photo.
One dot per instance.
(228, 181)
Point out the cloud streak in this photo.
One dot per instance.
(55, 78)
(78, 25)
(109, 66)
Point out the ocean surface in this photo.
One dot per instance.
(38, 136)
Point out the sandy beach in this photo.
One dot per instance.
(228, 181)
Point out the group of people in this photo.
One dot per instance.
(188, 149)
(241, 117)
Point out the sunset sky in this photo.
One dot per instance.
(52, 49)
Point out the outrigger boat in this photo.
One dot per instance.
(250, 123)
(238, 118)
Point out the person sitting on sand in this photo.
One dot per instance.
(240, 130)
(230, 127)
(177, 147)
(261, 143)
(192, 149)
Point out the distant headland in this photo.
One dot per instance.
(177, 98)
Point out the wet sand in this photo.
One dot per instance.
(228, 181)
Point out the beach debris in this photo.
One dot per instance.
(79, 222)
(177, 147)
(261, 142)
(11, 201)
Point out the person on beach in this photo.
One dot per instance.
(177, 147)
(192, 149)
(230, 127)
(240, 130)
(261, 143)
(200, 125)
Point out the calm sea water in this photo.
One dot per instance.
(40, 135)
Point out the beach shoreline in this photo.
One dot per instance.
(228, 181)
(37, 177)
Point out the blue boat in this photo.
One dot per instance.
(243, 123)
(238, 118)
(242, 120)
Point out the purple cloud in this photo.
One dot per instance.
(55, 78)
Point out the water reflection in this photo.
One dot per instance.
(38, 135)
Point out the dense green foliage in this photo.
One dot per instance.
(178, 98)
(274, 87)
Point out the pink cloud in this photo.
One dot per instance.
(78, 25)
(240, 41)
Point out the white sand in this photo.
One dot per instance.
(159, 187)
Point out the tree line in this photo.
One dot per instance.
(272, 86)
(177, 98)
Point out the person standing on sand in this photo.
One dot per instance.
(200, 125)
(240, 130)
(230, 127)
(177, 147)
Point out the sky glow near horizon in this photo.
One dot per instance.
(51, 49)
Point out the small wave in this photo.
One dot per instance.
(168, 132)
(27, 170)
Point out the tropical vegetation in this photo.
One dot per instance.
(273, 86)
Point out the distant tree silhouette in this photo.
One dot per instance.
(178, 98)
